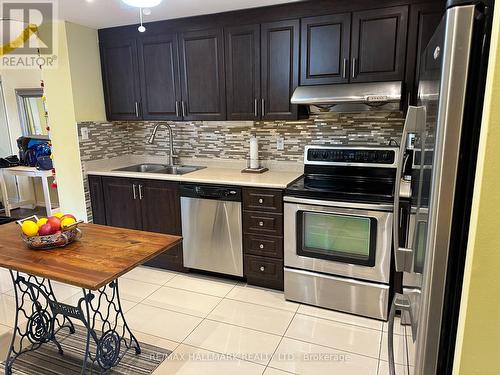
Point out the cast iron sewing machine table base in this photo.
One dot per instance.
(100, 312)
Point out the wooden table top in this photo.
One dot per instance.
(99, 257)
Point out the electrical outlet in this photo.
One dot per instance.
(280, 143)
(85, 134)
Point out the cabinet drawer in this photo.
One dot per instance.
(264, 272)
(263, 223)
(263, 200)
(263, 245)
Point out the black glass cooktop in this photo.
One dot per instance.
(343, 188)
(353, 174)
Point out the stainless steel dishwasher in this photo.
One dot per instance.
(211, 228)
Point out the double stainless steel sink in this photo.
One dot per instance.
(161, 169)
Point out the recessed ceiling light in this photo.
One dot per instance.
(142, 3)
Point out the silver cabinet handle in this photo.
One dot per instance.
(262, 269)
(261, 246)
(136, 109)
(344, 69)
(261, 223)
(134, 187)
(353, 67)
(177, 112)
(256, 108)
(261, 200)
(415, 121)
(140, 193)
(183, 108)
(263, 107)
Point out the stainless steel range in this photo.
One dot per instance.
(338, 229)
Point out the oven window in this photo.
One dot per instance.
(349, 239)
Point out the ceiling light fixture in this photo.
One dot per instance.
(142, 3)
(143, 6)
(141, 28)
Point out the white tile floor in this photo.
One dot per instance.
(219, 326)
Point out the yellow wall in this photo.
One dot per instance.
(83, 51)
(478, 341)
(74, 93)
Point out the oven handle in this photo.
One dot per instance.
(360, 206)
(414, 123)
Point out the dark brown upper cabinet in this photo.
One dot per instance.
(159, 76)
(424, 19)
(378, 44)
(202, 75)
(121, 79)
(242, 51)
(279, 69)
(325, 49)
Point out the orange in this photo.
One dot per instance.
(67, 222)
(29, 228)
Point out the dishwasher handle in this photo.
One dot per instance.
(216, 192)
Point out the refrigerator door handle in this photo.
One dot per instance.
(402, 304)
(415, 121)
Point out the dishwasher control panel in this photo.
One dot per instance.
(226, 193)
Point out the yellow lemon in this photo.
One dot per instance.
(66, 222)
(30, 228)
(41, 222)
(58, 215)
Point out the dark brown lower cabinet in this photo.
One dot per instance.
(161, 213)
(263, 237)
(265, 272)
(148, 205)
(97, 200)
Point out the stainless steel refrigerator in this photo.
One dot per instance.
(434, 187)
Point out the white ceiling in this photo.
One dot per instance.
(107, 13)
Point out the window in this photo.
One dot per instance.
(31, 111)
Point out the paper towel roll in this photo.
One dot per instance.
(254, 153)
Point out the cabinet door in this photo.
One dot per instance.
(160, 78)
(121, 79)
(97, 201)
(279, 69)
(123, 207)
(161, 213)
(424, 19)
(202, 75)
(379, 44)
(242, 48)
(324, 49)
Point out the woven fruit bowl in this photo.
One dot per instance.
(61, 238)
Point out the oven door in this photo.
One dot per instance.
(339, 238)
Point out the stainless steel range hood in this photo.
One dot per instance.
(371, 94)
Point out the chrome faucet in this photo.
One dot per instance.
(151, 140)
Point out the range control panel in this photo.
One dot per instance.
(386, 156)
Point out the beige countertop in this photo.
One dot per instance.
(279, 176)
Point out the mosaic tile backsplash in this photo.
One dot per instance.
(230, 139)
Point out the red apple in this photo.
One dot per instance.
(55, 223)
(46, 230)
(68, 216)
